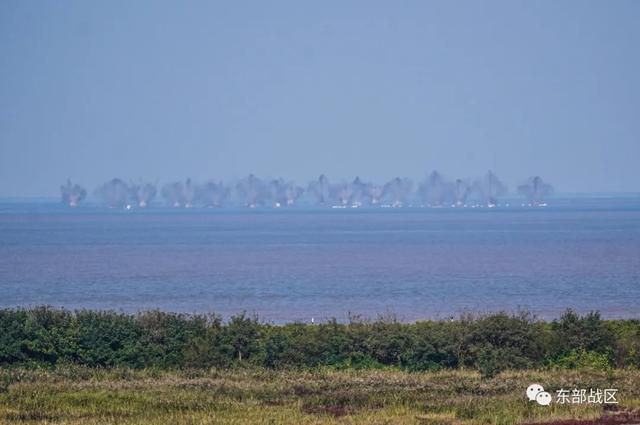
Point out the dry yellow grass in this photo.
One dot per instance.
(75, 395)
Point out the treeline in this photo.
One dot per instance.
(47, 336)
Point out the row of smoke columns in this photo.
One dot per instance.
(434, 191)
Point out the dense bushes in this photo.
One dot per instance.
(165, 340)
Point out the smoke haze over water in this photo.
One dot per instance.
(434, 191)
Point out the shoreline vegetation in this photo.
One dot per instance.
(89, 367)
(47, 336)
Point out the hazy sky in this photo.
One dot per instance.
(165, 90)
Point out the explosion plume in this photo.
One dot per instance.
(252, 190)
(358, 190)
(343, 193)
(179, 194)
(375, 193)
(115, 193)
(535, 190)
(213, 194)
(461, 191)
(284, 193)
(434, 191)
(397, 191)
(320, 189)
(72, 194)
(489, 188)
(142, 194)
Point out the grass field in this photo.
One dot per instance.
(79, 395)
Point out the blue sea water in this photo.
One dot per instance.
(288, 265)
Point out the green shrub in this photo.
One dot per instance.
(44, 336)
(581, 359)
(627, 342)
(240, 337)
(575, 332)
(500, 342)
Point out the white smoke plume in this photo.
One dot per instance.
(348, 194)
(535, 190)
(398, 191)
(142, 194)
(489, 189)
(342, 193)
(358, 190)
(434, 191)
(179, 194)
(72, 194)
(284, 194)
(114, 193)
(461, 191)
(320, 189)
(213, 194)
(253, 191)
(375, 193)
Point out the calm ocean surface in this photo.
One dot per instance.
(299, 264)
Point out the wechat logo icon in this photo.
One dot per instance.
(536, 392)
